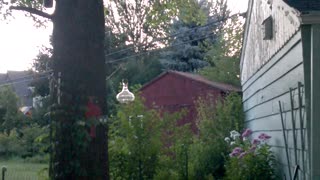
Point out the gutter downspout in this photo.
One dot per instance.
(310, 28)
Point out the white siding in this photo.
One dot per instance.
(256, 51)
(261, 94)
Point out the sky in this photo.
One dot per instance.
(20, 41)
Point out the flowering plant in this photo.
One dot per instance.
(250, 158)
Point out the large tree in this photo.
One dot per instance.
(140, 22)
(224, 56)
(78, 55)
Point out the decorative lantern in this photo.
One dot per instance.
(125, 95)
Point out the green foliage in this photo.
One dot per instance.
(70, 132)
(224, 56)
(191, 42)
(42, 64)
(251, 160)
(27, 142)
(139, 71)
(225, 71)
(136, 72)
(6, 12)
(43, 61)
(40, 113)
(145, 145)
(134, 142)
(10, 116)
(215, 121)
(139, 22)
(192, 13)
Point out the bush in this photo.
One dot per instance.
(250, 159)
(44, 158)
(135, 141)
(25, 142)
(215, 121)
(144, 144)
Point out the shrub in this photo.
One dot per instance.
(25, 142)
(215, 121)
(144, 144)
(135, 141)
(250, 159)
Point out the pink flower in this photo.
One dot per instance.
(232, 154)
(264, 137)
(242, 155)
(256, 141)
(236, 151)
(247, 133)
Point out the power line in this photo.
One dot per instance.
(17, 82)
(176, 34)
(161, 49)
(23, 77)
(116, 70)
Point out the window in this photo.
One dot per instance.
(268, 28)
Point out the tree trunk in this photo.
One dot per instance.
(78, 54)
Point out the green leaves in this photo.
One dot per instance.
(215, 121)
(10, 116)
(134, 141)
(29, 141)
(254, 161)
(145, 145)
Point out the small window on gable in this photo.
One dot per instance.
(268, 28)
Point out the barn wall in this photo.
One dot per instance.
(256, 51)
(173, 92)
(261, 96)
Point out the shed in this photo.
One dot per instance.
(280, 63)
(173, 91)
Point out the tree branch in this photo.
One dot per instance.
(32, 11)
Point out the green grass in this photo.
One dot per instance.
(19, 170)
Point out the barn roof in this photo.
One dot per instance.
(198, 78)
(304, 5)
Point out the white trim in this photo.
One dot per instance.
(246, 29)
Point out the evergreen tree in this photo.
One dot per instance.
(194, 31)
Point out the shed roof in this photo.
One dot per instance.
(304, 5)
(198, 78)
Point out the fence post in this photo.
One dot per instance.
(4, 169)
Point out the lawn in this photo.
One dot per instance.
(19, 170)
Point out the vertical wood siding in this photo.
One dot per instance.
(256, 51)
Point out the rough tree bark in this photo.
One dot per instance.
(78, 54)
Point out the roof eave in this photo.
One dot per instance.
(310, 17)
(153, 80)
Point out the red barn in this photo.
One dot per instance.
(172, 91)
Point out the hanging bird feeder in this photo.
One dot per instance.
(125, 95)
